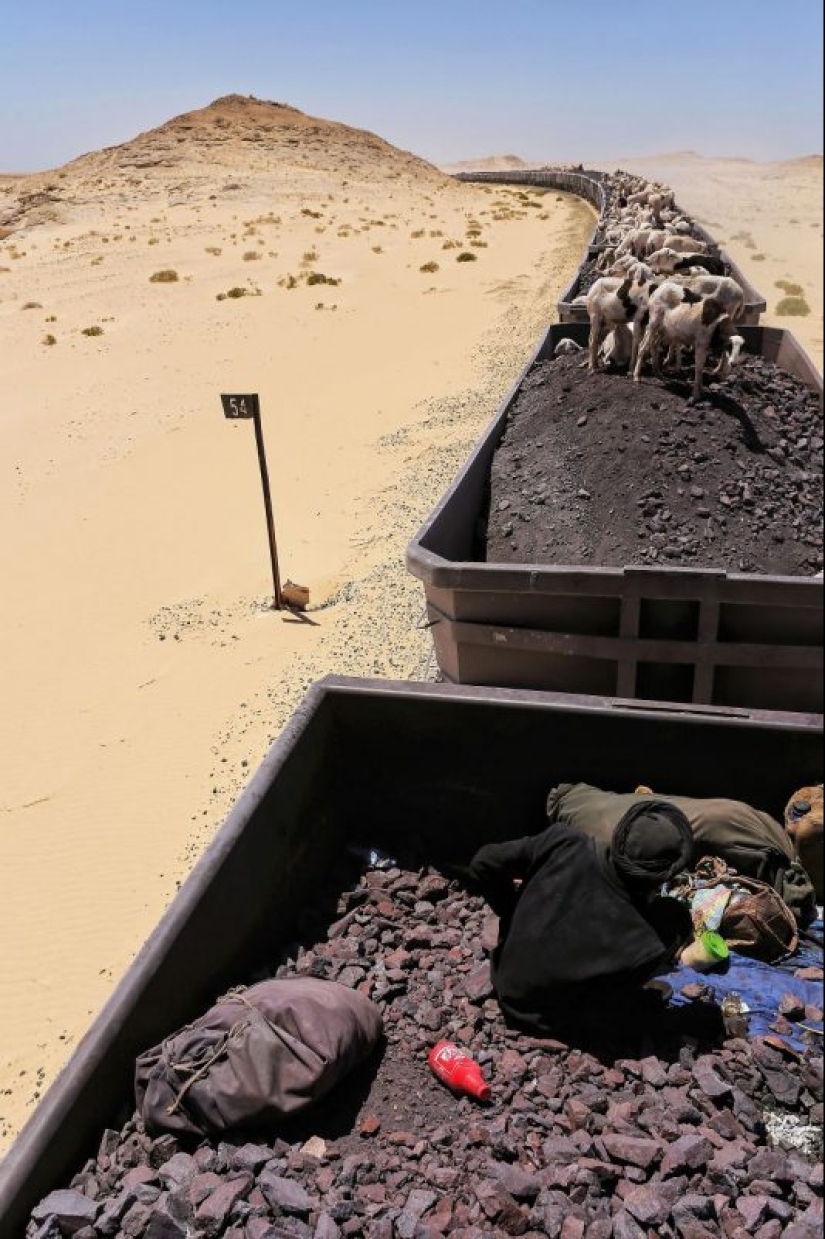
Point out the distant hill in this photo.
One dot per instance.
(490, 163)
(236, 145)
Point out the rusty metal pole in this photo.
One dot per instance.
(270, 523)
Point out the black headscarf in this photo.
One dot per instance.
(651, 844)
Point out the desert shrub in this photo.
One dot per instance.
(93, 331)
(312, 214)
(310, 256)
(236, 292)
(317, 277)
(377, 249)
(789, 288)
(32, 305)
(50, 339)
(757, 257)
(419, 232)
(429, 266)
(215, 250)
(251, 256)
(466, 256)
(451, 245)
(153, 241)
(166, 276)
(288, 281)
(479, 245)
(795, 306)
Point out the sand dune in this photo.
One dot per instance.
(144, 673)
(490, 163)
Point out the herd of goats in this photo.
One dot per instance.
(662, 287)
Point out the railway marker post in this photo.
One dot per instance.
(249, 406)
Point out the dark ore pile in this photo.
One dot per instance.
(596, 469)
(662, 1135)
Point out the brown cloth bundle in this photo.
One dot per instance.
(257, 1056)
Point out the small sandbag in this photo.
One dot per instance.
(256, 1057)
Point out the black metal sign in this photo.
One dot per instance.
(249, 406)
(241, 406)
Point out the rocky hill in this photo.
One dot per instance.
(238, 145)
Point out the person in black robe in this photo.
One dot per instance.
(585, 926)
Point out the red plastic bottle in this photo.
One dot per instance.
(458, 1071)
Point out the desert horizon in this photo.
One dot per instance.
(242, 855)
(381, 309)
(244, 245)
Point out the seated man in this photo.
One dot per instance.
(586, 924)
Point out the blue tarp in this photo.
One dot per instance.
(761, 987)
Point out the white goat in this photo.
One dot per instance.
(723, 289)
(617, 346)
(669, 261)
(683, 318)
(612, 302)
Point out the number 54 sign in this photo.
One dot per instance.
(249, 406)
(240, 406)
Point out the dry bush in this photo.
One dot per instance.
(789, 288)
(466, 256)
(251, 256)
(429, 267)
(796, 307)
(215, 250)
(167, 276)
(92, 331)
(32, 305)
(234, 293)
(317, 277)
(50, 339)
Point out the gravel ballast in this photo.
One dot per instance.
(659, 1132)
(595, 469)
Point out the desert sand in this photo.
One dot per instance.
(145, 673)
(768, 216)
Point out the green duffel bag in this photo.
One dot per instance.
(751, 842)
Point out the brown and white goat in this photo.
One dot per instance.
(682, 318)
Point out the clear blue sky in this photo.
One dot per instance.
(448, 79)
